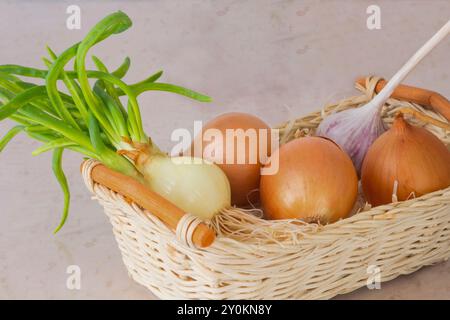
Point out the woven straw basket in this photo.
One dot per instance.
(253, 258)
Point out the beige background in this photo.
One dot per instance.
(276, 59)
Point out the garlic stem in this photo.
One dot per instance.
(379, 100)
(355, 130)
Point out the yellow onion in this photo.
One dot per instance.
(404, 162)
(316, 182)
(244, 176)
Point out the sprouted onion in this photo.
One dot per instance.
(195, 185)
(94, 122)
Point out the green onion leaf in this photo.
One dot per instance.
(95, 135)
(73, 87)
(52, 90)
(159, 86)
(22, 99)
(111, 24)
(23, 71)
(153, 78)
(134, 115)
(61, 177)
(37, 116)
(116, 114)
(108, 86)
(53, 144)
(123, 68)
(9, 136)
(14, 69)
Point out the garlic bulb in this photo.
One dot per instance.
(354, 130)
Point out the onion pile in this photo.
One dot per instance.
(316, 182)
(404, 162)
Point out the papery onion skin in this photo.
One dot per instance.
(244, 177)
(410, 155)
(316, 182)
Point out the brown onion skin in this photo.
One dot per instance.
(316, 182)
(413, 156)
(243, 178)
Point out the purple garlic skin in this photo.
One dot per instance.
(354, 130)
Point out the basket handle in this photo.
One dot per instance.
(420, 96)
(202, 236)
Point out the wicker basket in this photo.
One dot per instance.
(253, 258)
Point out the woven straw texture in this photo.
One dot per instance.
(253, 258)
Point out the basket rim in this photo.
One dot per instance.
(380, 213)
